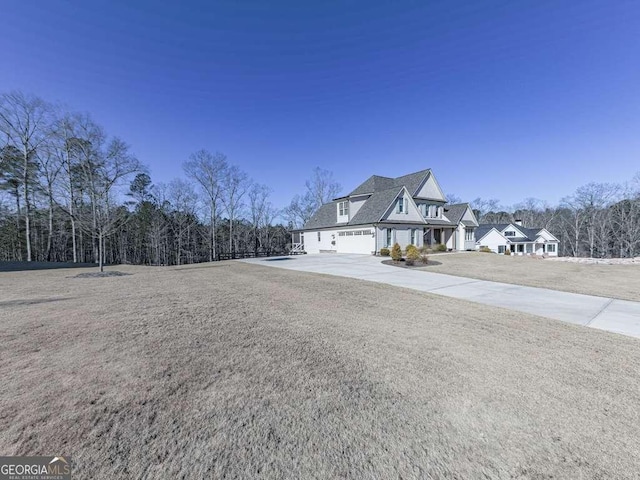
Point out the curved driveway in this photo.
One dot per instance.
(620, 316)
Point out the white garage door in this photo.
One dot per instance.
(356, 241)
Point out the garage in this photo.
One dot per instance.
(356, 241)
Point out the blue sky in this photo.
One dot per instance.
(501, 99)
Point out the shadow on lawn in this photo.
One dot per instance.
(33, 301)
(25, 266)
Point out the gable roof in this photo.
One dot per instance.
(375, 206)
(325, 216)
(377, 183)
(530, 234)
(455, 212)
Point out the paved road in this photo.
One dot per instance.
(618, 316)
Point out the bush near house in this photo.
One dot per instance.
(385, 252)
(485, 249)
(426, 249)
(507, 252)
(424, 258)
(412, 255)
(409, 248)
(396, 253)
(441, 247)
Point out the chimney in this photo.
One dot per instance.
(518, 222)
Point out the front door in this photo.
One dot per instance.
(437, 236)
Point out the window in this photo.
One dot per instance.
(551, 248)
(414, 236)
(343, 208)
(401, 205)
(318, 236)
(501, 248)
(509, 233)
(431, 211)
(468, 234)
(389, 237)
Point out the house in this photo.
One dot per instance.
(381, 211)
(518, 239)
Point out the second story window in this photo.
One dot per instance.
(509, 233)
(401, 205)
(343, 208)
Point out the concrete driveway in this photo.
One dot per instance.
(613, 315)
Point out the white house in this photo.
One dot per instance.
(518, 239)
(382, 211)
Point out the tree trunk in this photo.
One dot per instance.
(27, 224)
(101, 251)
(50, 236)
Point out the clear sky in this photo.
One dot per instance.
(504, 99)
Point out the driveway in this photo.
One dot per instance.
(619, 316)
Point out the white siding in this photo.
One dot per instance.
(312, 245)
(402, 235)
(331, 240)
(431, 189)
(412, 215)
(492, 240)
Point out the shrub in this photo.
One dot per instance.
(507, 252)
(412, 255)
(385, 252)
(485, 249)
(396, 253)
(441, 247)
(424, 258)
(411, 248)
(425, 249)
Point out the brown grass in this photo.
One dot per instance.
(613, 281)
(238, 371)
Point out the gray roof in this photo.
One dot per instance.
(455, 212)
(531, 233)
(439, 221)
(373, 184)
(376, 183)
(325, 216)
(375, 206)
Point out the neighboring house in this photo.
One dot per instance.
(518, 239)
(382, 211)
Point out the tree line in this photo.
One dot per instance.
(71, 193)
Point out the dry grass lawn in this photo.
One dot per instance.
(231, 370)
(614, 281)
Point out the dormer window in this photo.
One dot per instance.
(343, 208)
(401, 205)
(509, 233)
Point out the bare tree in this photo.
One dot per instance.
(50, 166)
(183, 199)
(235, 186)
(25, 120)
(103, 171)
(209, 172)
(320, 189)
(593, 199)
(258, 204)
(453, 198)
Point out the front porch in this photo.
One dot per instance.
(433, 236)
